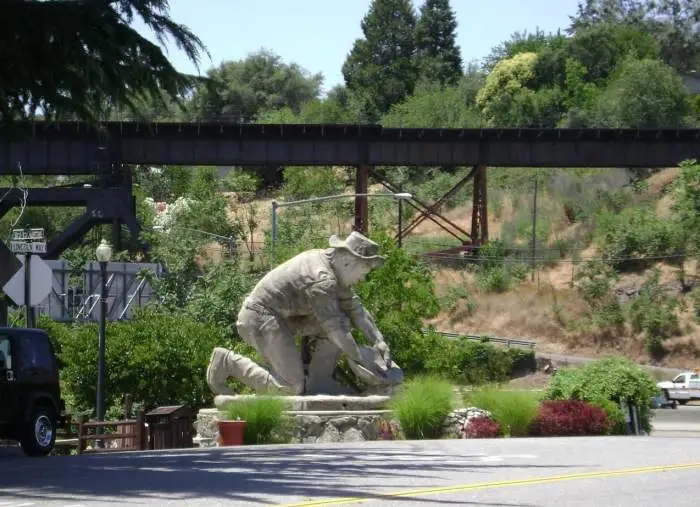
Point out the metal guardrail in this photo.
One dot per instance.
(508, 342)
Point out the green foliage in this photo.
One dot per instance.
(159, 359)
(242, 181)
(636, 232)
(595, 282)
(241, 90)
(381, 69)
(686, 193)
(421, 405)
(495, 272)
(513, 410)
(400, 295)
(653, 312)
(643, 94)
(436, 107)
(437, 52)
(264, 417)
(92, 55)
(607, 382)
(306, 182)
(466, 361)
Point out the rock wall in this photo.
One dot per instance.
(338, 426)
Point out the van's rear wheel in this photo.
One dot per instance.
(39, 434)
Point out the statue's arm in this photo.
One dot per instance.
(333, 320)
(360, 317)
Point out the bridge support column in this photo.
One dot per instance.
(480, 219)
(361, 207)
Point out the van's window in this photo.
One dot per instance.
(36, 352)
(5, 353)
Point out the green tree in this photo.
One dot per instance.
(602, 47)
(520, 42)
(439, 57)
(381, 69)
(672, 23)
(643, 94)
(241, 89)
(77, 59)
(508, 98)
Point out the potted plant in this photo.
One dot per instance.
(231, 428)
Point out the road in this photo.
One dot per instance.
(684, 420)
(591, 471)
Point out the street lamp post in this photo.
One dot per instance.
(104, 255)
(401, 196)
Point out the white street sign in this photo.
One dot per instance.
(21, 247)
(28, 234)
(40, 282)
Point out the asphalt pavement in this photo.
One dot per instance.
(612, 471)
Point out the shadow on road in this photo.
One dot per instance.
(244, 474)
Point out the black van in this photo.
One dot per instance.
(31, 407)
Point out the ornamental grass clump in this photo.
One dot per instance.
(422, 406)
(513, 410)
(263, 416)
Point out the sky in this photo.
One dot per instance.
(318, 34)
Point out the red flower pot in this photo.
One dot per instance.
(231, 432)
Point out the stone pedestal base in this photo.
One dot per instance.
(319, 418)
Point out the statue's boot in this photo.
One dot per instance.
(224, 363)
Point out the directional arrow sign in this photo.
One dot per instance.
(40, 280)
(9, 264)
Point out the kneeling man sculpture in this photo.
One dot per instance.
(310, 295)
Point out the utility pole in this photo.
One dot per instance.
(534, 225)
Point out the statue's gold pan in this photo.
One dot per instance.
(381, 374)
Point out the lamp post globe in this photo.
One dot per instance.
(103, 252)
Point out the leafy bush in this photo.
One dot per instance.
(421, 406)
(158, 358)
(482, 427)
(263, 416)
(513, 410)
(494, 272)
(595, 282)
(653, 312)
(466, 361)
(606, 382)
(636, 232)
(400, 295)
(559, 418)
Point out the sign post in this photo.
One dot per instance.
(28, 242)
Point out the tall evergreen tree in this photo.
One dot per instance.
(438, 55)
(381, 69)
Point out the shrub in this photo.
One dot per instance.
(606, 382)
(559, 418)
(158, 358)
(262, 416)
(636, 232)
(513, 410)
(421, 406)
(653, 312)
(482, 427)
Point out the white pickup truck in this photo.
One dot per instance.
(683, 388)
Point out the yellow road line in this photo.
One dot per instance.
(495, 484)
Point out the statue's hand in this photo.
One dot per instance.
(383, 349)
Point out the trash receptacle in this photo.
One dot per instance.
(170, 427)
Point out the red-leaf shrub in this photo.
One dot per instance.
(482, 427)
(559, 418)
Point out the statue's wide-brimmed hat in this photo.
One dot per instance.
(360, 246)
